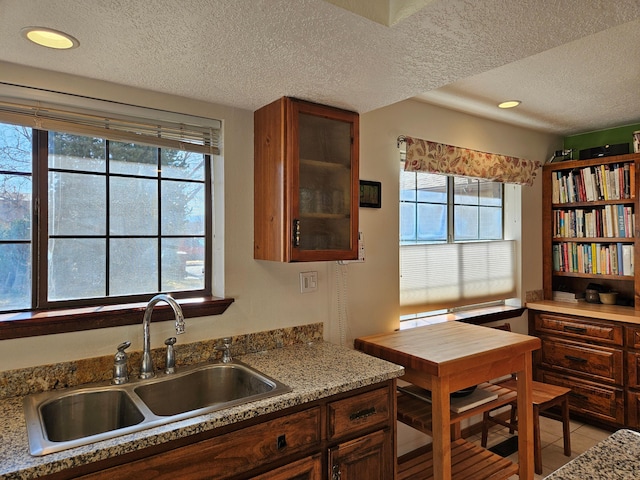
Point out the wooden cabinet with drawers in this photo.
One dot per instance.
(598, 359)
(345, 436)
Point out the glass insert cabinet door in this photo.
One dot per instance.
(306, 194)
(325, 187)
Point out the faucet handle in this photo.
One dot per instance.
(170, 359)
(226, 349)
(120, 368)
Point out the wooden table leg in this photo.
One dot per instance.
(525, 419)
(441, 418)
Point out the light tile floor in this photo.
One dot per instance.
(583, 437)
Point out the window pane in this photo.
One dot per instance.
(432, 222)
(432, 188)
(407, 186)
(182, 264)
(491, 193)
(133, 159)
(407, 222)
(75, 152)
(15, 276)
(466, 191)
(133, 266)
(133, 204)
(490, 223)
(465, 223)
(15, 148)
(182, 208)
(15, 207)
(182, 165)
(76, 204)
(77, 268)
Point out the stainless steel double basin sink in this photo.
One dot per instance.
(62, 419)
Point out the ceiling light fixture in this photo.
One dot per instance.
(509, 104)
(50, 38)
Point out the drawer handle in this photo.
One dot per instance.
(281, 442)
(579, 396)
(569, 328)
(575, 359)
(359, 415)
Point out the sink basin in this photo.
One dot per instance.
(223, 384)
(62, 419)
(92, 413)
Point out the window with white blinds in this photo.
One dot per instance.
(452, 250)
(52, 111)
(449, 275)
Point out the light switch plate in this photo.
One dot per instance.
(308, 282)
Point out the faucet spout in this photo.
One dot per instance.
(146, 369)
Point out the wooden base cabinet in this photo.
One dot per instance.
(595, 359)
(348, 436)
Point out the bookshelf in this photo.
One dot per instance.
(590, 226)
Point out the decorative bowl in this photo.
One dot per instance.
(609, 298)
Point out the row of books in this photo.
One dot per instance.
(601, 182)
(595, 258)
(610, 221)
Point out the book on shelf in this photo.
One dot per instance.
(614, 258)
(568, 296)
(613, 181)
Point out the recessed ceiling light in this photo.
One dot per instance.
(48, 37)
(509, 104)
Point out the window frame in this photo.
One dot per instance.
(449, 204)
(67, 316)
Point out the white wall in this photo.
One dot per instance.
(267, 293)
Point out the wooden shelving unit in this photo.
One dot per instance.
(467, 460)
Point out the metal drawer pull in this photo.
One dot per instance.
(569, 328)
(579, 396)
(575, 359)
(367, 412)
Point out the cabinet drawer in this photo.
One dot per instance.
(592, 399)
(309, 468)
(579, 328)
(230, 454)
(601, 362)
(359, 413)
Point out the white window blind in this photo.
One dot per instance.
(437, 276)
(115, 121)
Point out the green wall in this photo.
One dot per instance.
(612, 136)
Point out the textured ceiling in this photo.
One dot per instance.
(574, 63)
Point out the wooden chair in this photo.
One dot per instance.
(545, 396)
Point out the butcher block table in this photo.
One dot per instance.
(446, 357)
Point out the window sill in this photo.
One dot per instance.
(48, 322)
(477, 316)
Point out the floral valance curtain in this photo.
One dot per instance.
(426, 156)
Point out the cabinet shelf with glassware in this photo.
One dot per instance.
(590, 225)
(305, 182)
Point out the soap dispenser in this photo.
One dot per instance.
(120, 368)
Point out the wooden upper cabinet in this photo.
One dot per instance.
(306, 182)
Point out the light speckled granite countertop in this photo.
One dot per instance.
(617, 457)
(313, 371)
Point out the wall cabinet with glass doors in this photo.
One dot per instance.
(306, 182)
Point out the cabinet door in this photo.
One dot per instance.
(367, 457)
(325, 215)
(309, 468)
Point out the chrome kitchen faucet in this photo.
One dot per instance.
(146, 369)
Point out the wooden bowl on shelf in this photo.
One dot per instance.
(609, 298)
